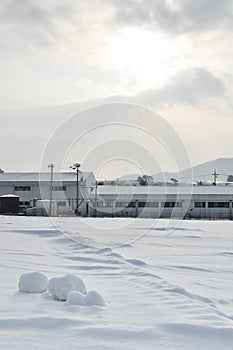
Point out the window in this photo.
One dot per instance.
(120, 204)
(152, 204)
(58, 188)
(218, 205)
(148, 204)
(125, 204)
(108, 204)
(104, 204)
(199, 204)
(22, 188)
(131, 205)
(24, 204)
(171, 204)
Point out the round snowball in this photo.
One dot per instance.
(75, 298)
(60, 287)
(33, 282)
(94, 298)
(78, 282)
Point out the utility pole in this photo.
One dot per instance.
(215, 175)
(51, 166)
(76, 167)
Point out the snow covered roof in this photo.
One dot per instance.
(129, 190)
(9, 195)
(43, 176)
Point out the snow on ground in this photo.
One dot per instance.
(165, 284)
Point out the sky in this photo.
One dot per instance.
(163, 58)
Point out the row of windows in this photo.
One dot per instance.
(106, 204)
(212, 204)
(199, 204)
(133, 204)
(24, 203)
(28, 188)
(148, 204)
(22, 188)
(171, 204)
(218, 204)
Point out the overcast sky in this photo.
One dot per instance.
(174, 57)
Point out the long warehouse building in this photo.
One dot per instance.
(153, 201)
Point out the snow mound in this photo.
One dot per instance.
(75, 298)
(33, 282)
(94, 298)
(78, 282)
(60, 287)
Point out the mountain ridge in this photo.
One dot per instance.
(199, 172)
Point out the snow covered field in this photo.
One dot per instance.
(166, 284)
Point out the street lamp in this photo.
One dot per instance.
(76, 167)
(51, 166)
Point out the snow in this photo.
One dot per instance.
(220, 189)
(40, 177)
(94, 298)
(33, 282)
(166, 284)
(75, 298)
(60, 287)
(9, 195)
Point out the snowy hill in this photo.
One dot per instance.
(224, 167)
(201, 172)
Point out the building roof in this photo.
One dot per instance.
(9, 196)
(43, 176)
(167, 190)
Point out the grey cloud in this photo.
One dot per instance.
(32, 22)
(23, 11)
(26, 21)
(182, 16)
(39, 23)
(193, 87)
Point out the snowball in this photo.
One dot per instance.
(78, 282)
(94, 298)
(33, 282)
(75, 298)
(60, 287)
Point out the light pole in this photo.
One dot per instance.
(96, 196)
(76, 167)
(51, 166)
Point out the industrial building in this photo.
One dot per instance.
(35, 189)
(170, 201)
(38, 195)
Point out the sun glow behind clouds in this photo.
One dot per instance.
(149, 57)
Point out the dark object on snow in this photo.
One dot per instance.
(9, 204)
